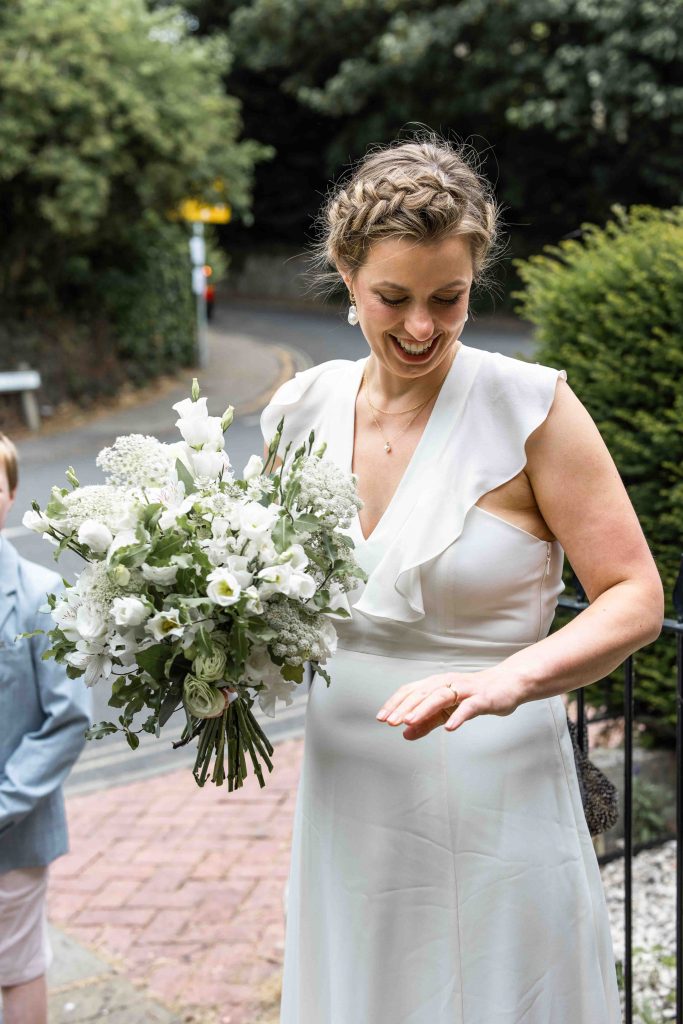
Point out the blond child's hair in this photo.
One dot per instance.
(10, 460)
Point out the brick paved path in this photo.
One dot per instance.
(184, 886)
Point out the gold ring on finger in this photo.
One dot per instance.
(455, 694)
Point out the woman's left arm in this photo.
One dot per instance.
(585, 504)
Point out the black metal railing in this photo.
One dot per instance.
(670, 627)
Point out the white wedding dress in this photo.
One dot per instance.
(451, 879)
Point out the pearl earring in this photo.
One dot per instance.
(467, 316)
(352, 315)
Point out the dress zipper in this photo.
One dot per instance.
(540, 596)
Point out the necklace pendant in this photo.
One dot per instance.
(387, 447)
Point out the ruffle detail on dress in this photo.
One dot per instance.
(301, 416)
(496, 402)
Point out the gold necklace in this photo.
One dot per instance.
(387, 442)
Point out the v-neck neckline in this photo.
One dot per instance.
(414, 460)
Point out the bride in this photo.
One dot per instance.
(442, 871)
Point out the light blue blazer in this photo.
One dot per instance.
(43, 716)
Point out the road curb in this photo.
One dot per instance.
(286, 370)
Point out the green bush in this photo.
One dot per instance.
(608, 307)
(151, 304)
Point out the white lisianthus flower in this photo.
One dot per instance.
(94, 535)
(264, 550)
(188, 410)
(301, 585)
(35, 521)
(237, 565)
(166, 623)
(90, 622)
(162, 575)
(124, 539)
(224, 588)
(254, 467)
(207, 465)
(127, 516)
(255, 521)
(254, 604)
(296, 556)
(276, 579)
(120, 576)
(129, 611)
(328, 637)
(202, 432)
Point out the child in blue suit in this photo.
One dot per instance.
(43, 717)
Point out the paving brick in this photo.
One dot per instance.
(184, 886)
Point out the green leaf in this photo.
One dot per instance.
(184, 476)
(153, 659)
(169, 705)
(319, 670)
(294, 673)
(96, 732)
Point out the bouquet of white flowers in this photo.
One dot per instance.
(202, 591)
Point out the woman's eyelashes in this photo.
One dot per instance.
(444, 302)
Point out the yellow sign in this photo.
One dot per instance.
(194, 210)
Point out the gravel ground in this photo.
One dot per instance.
(654, 930)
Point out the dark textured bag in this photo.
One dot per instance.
(598, 794)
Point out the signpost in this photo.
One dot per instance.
(199, 214)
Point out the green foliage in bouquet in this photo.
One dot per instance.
(608, 308)
(202, 591)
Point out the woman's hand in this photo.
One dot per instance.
(430, 702)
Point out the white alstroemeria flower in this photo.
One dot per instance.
(94, 535)
(94, 657)
(188, 410)
(162, 575)
(254, 467)
(275, 580)
(283, 689)
(129, 611)
(35, 521)
(224, 588)
(166, 623)
(125, 648)
(255, 521)
(64, 615)
(91, 622)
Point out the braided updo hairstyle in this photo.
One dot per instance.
(423, 190)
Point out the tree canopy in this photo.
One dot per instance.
(572, 104)
(109, 114)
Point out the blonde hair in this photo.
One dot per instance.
(424, 190)
(10, 460)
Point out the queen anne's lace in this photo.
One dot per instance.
(99, 502)
(137, 460)
(327, 492)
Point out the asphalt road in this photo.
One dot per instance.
(310, 337)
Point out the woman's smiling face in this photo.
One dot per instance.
(416, 293)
